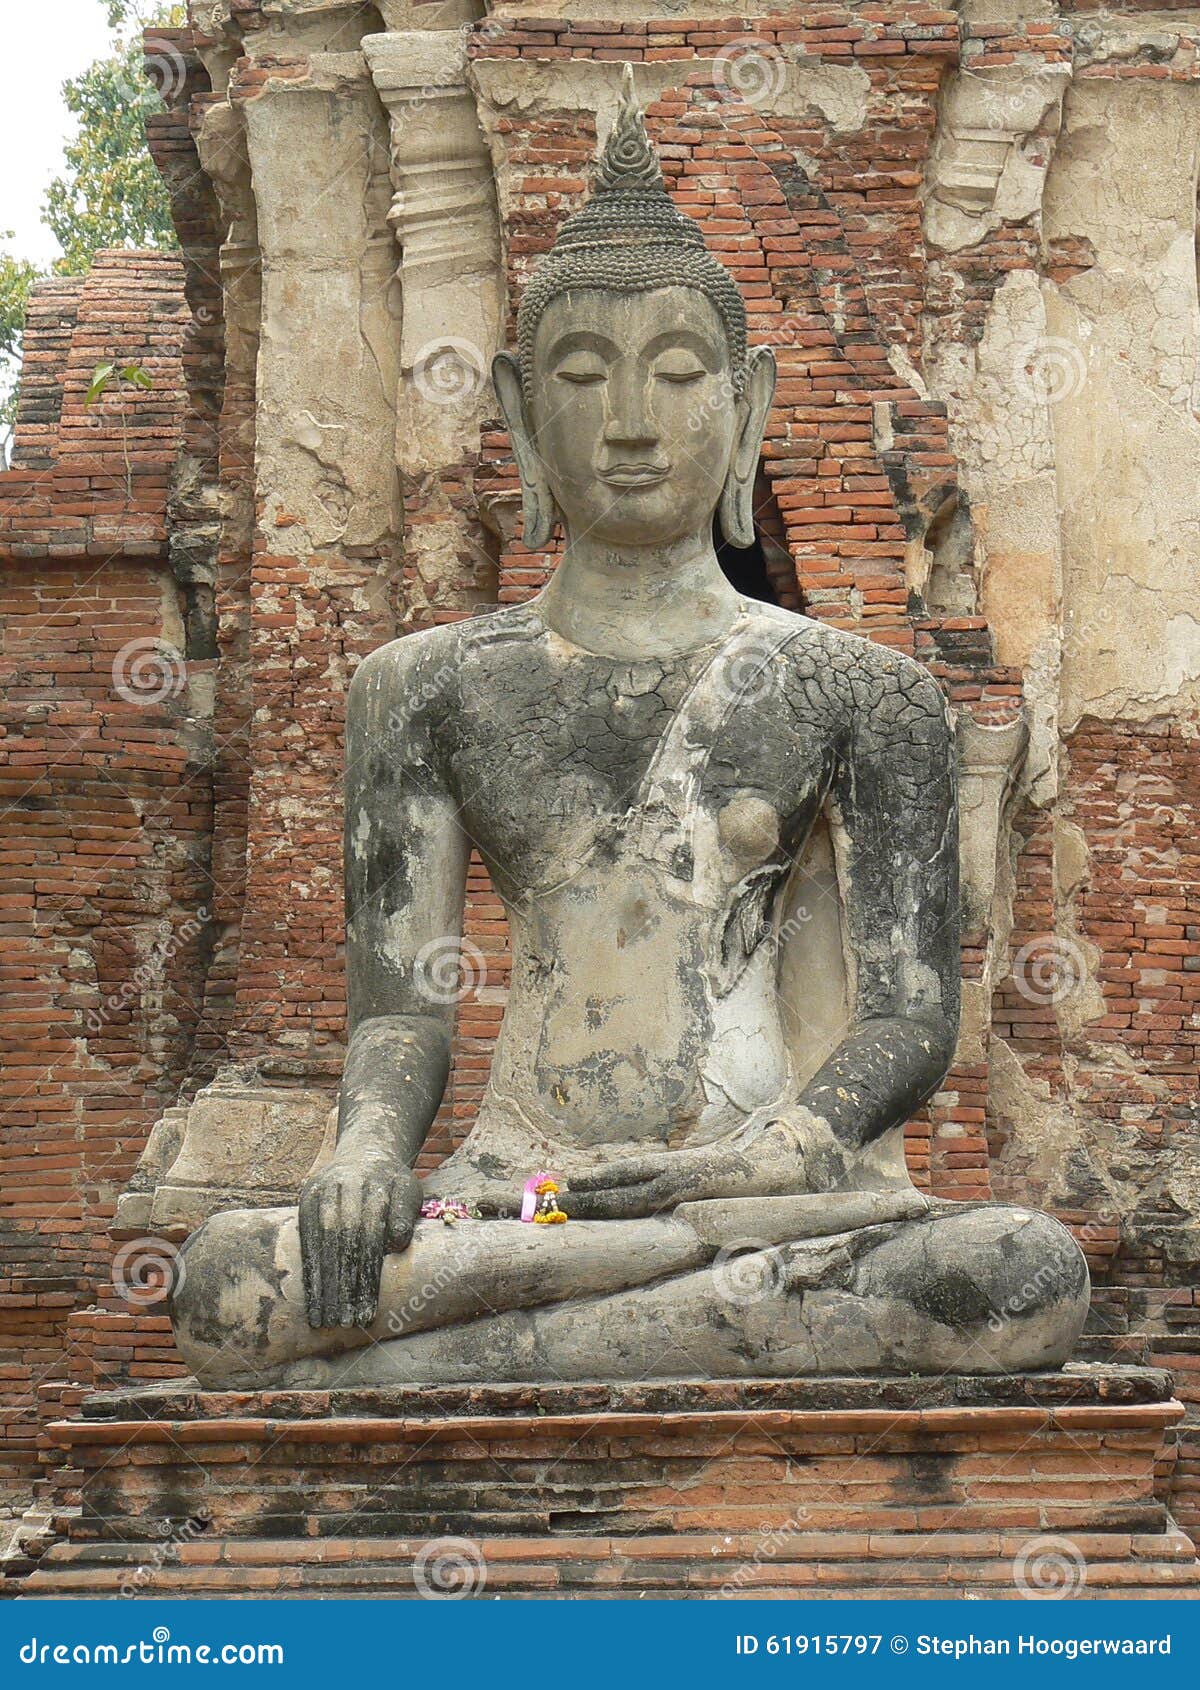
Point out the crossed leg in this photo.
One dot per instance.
(238, 1302)
(965, 1289)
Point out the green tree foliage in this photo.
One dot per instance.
(16, 278)
(142, 16)
(110, 194)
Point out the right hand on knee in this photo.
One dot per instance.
(351, 1215)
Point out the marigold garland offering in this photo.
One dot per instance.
(540, 1205)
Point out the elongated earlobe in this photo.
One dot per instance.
(737, 496)
(537, 501)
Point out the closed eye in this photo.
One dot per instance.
(584, 375)
(692, 372)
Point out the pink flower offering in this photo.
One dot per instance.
(446, 1209)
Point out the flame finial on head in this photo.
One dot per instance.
(629, 203)
(628, 160)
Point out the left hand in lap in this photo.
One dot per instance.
(796, 1153)
(656, 1182)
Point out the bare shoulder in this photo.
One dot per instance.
(873, 692)
(889, 698)
(393, 671)
(423, 668)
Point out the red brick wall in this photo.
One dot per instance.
(1126, 1078)
(106, 807)
(1129, 1071)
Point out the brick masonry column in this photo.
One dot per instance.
(322, 575)
(452, 283)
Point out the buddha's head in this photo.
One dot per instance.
(634, 405)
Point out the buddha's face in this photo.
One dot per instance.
(633, 412)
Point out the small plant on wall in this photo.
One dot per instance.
(109, 377)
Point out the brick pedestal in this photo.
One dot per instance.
(831, 1487)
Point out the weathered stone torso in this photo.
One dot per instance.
(640, 821)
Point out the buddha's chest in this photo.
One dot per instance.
(554, 762)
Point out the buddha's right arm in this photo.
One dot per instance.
(405, 866)
(406, 859)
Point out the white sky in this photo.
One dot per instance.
(41, 46)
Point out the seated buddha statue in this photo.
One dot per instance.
(640, 755)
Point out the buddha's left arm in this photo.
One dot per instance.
(895, 813)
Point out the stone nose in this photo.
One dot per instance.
(629, 421)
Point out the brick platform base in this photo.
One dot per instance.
(820, 1487)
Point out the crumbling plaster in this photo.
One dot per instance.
(1074, 418)
(326, 419)
(1127, 431)
(1087, 532)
